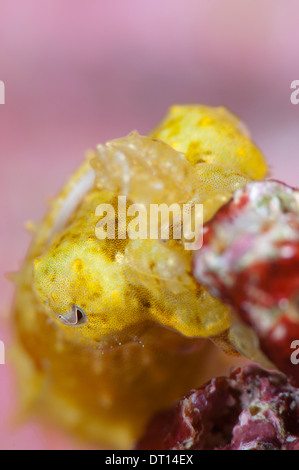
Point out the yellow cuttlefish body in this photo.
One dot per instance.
(109, 331)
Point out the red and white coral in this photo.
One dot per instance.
(250, 260)
(252, 409)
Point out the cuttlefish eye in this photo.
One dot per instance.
(75, 317)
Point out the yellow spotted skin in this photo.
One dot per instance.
(141, 347)
(212, 135)
(79, 269)
(106, 280)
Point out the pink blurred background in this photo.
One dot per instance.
(78, 73)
